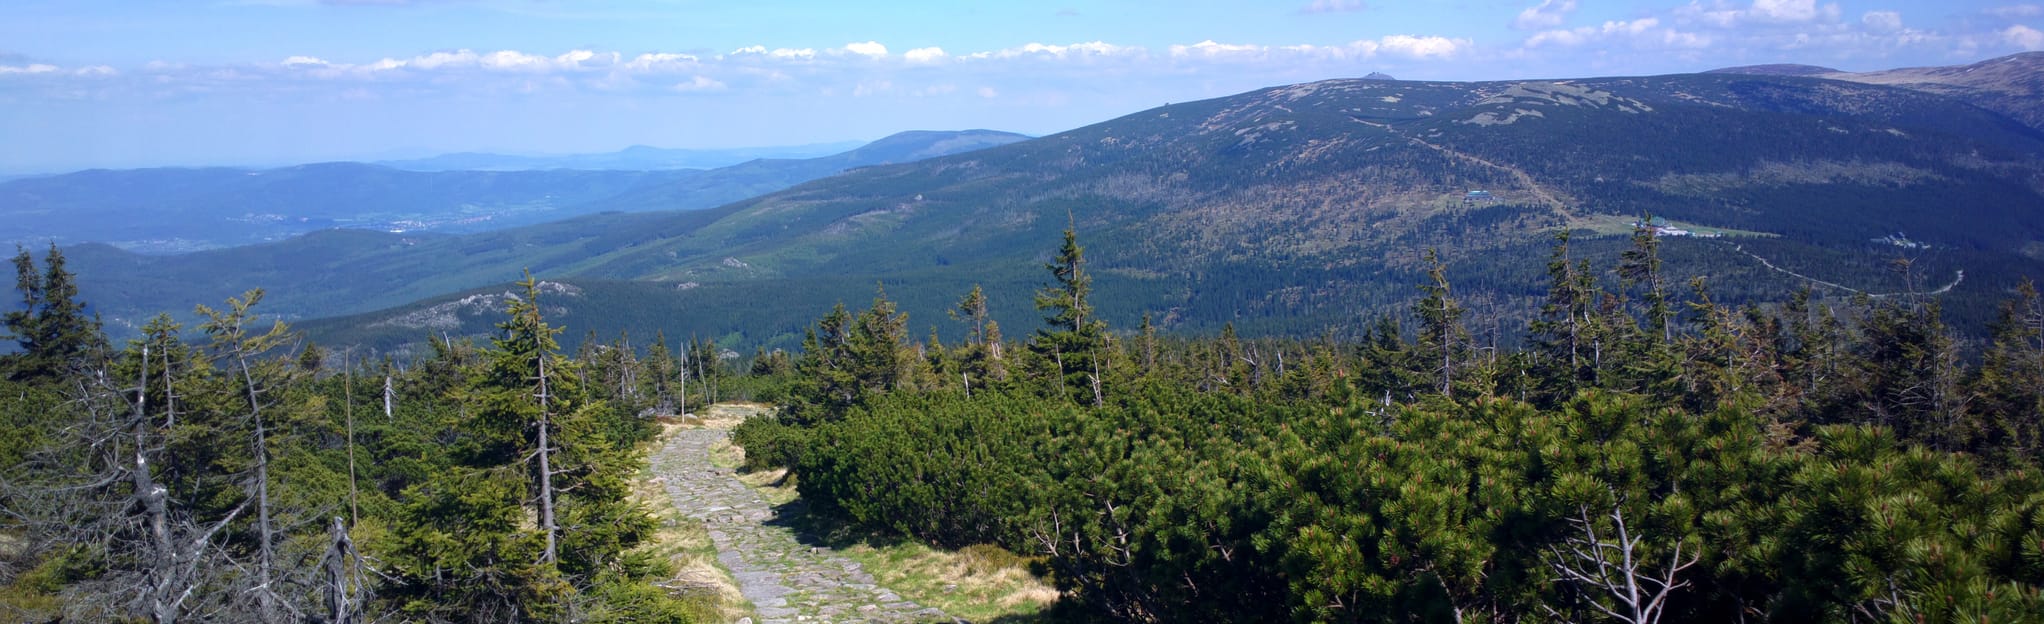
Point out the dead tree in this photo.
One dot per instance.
(236, 347)
(95, 490)
(545, 454)
(1614, 573)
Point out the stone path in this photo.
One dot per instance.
(786, 580)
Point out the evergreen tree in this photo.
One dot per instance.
(1443, 341)
(1071, 338)
(2007, 421)
(237, 346)
(55, 334)
(878, 345)
(1641, 265)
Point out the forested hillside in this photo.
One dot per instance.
(1638, 461)
(230, 471)
(1289, 210)
(1650, 454)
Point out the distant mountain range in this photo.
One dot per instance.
(634, 158)
(1293, 209)
(2011, 85)
(173, 210)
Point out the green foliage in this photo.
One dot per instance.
(1675, 473)
(1072, 337)
(51, 327)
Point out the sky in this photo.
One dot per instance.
(97, 83)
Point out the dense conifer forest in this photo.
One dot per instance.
(1638, 453)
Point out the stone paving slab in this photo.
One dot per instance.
(786, 580)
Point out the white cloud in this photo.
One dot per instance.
(1335, 6)
(95, 70)
(1721, 15)
(1089, 49)
(924, 55)
(1785, 10)
(1547, 14)
(988, 93)
(868, 48)
(1645, 32)
(2024, 37)
(515, 60)
(778, 53)
(436, 60)
(581, 58)
(304, 61)
(1210, 49)
(1423, 47)
(2015, 11)
(700, 83)
(33, 68)
(1882, 21)
(662, 62)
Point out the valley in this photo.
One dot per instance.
(1287, 210)
(171, 210)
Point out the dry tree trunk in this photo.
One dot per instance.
(546, 474)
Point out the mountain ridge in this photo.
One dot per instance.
(179, 209)
(1290, 208)
(2012, 85)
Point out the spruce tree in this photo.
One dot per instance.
(55, 334)
(1442, 339)
(1071, 338)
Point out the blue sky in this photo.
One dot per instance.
(145, 83)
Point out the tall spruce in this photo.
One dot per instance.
(1071, 338)
(2007, 422)
(1442, 339)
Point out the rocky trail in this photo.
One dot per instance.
(785, 579)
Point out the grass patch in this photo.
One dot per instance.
(981, 583)
(683, 543)
(978, 583)
(1621, 225)
(776, 486)
(724, 454)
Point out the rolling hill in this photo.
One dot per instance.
(168, 210)
(1291, 209)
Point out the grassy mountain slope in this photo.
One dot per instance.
(1297, 208)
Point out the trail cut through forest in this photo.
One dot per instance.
(785, 579)
(1959, 276)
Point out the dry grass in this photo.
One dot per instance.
(719, 416)
(729, 414)
(684, 543)
(775, 486)
(977, 583)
